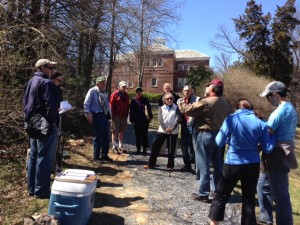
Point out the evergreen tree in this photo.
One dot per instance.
(253, 26)
(197, 75)
(283, 25)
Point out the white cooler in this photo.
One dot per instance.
(72, 196)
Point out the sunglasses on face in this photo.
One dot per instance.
(169, 99)
(59, 80)
(269, 95)
(49, 67)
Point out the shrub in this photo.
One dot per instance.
(241, 83)
(153, 98)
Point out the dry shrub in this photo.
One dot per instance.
(241, 83)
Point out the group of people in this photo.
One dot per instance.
(207, 125)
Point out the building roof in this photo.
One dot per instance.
(183, 55)
(160, 49)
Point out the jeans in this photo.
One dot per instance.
(101, 134)
(279, 186)
(207, 151)
(186, 144)
(40, 163)
(231, 174)
(264, 198)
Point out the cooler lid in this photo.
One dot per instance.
(74, 181)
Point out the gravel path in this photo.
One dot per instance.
(132, 195)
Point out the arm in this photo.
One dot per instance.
(195, 109)
(223, 134)
(86, 106)
(131, 111)
(267, 141)
(176, 120)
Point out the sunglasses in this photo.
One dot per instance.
(169, 98)
(269, 95)
(49, 67)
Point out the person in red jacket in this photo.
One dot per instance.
(119, 102)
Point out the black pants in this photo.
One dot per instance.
(141, 135)
(231, 174)
(156, 146)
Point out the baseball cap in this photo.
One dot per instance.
(275, 86)
(138, 89)
(122, 84)
(215, 82)
(43, 62)
(100, 79)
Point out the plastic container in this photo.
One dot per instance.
(72, 196)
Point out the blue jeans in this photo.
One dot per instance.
(207, 151)
(264, 198)
(186, 143)
(279, 185)
(40, 163)
(101, 134)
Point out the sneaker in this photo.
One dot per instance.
(203, 199)
(116, 150)
(106, 158)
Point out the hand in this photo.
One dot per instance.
(89, 118)
(180, 101)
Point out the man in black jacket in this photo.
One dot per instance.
(39, 98)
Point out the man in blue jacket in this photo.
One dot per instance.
(39, 98)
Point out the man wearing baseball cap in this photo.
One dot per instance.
(39, 98)
(119, 102)
(97, 112)
(282, 123)
(209, 114)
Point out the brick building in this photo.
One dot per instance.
(162, 65)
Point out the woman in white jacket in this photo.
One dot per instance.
(168, 117)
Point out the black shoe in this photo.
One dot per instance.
(260, 222)
(203, 199)
(98, 160)
(106, 158)
(185, 169)
(144, 152)
(116, 150)
(30, 193)
(43, 196)
(138, 152)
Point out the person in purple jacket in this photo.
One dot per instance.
(39, 98)
(242, 131)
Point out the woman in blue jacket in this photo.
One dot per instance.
(242, 131)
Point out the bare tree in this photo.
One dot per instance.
(222, 63)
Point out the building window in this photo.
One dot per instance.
(183, 67)
(154, 62)
(181, 82)
(159, 62)
(154, 81)
(130, 84)
(148, 62)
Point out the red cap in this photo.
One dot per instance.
(216, 82)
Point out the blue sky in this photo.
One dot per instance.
(200, 20)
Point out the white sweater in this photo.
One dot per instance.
(168, 119)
